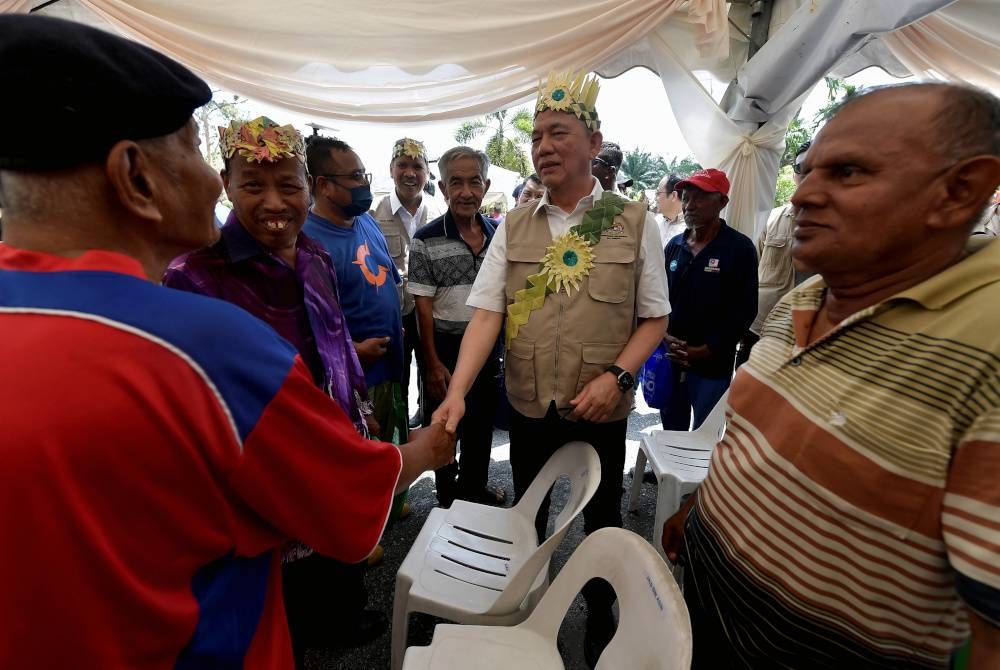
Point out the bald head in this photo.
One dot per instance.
(965, 121)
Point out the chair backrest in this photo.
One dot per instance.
(654, 630)
(714, 425)
(580, 464)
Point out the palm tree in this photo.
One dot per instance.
(507, 135)
(643, 168)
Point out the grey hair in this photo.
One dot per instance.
(444, 162)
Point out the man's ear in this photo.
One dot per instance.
(596, 139)
(724, 199)
(130, 171)
(224, 175)
(444, 191)
(968, 188)
(486, 185)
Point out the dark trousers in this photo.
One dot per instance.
(475, 430)
(691, 391)
(411, 348)
(323, 597)
(533, 441)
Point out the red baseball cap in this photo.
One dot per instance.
(710, 180)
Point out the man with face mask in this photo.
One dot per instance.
(366, 275)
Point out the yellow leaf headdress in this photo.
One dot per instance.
(573, 93)
(260, 140)
(409, 147)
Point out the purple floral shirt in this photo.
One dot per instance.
(302, 304)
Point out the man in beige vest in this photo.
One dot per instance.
(775, 274)
(571, 349)
(399, 215)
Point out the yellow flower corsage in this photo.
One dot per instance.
(567, 261)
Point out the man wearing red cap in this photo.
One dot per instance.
(712, 276)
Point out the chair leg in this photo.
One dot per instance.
(640, 468)
(668, 501)
(400, 625)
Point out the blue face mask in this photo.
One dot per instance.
(361, 201)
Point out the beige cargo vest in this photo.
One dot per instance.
(571, 339)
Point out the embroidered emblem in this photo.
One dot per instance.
(673, 265)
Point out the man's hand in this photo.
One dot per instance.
(436, 380)
(372, 349)
(684, 354)
(597, 400)
(673, 530)
(429, 448)
(450, 412)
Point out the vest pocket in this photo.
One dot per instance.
(773, 264)
(395, 244)
(519, 370)
(612, 276)
(596, 357)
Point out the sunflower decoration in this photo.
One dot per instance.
(409, 147)
(575, 93)
(567, 261)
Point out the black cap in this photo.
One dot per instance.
(71, 91)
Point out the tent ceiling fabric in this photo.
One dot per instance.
(399, 60)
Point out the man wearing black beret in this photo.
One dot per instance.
(156, 446)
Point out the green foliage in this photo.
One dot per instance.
(785, 187)
(643, 168)
(837, 90)
(682, 166)
(507, 135)
(795, 136)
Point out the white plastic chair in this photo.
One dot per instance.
(679, 459)
(480, 564)
(654, 631)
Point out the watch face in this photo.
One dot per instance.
(625, 381)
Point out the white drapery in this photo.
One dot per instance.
(407, 60)
(398, 60)
(959, 43)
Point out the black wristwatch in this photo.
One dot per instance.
(626, 381)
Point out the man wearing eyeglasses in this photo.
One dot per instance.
(775, 274)
(670, 219)
(369, 295)
(605, 166)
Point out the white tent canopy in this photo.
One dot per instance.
(409, 61)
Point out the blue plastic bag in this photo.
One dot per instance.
(656, 379)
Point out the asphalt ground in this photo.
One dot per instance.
(381, 579)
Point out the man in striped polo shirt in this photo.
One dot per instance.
(445, 257)
(851, 515)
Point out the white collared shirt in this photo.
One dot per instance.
(489, 291)
(409, 220)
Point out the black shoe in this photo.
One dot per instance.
(368, 625)
(417, 420)
(600, 630)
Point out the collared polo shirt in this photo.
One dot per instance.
(851, 510)
(444, 267)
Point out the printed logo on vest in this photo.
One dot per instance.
(615, 232)
(673, 265)
(713, 265)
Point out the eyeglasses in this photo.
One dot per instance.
(357, 175)
(600, 161)
(663, 193)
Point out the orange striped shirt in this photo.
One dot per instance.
(857, 488)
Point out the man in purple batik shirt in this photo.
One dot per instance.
(266, 265)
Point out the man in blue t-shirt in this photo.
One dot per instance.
(368, 279)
